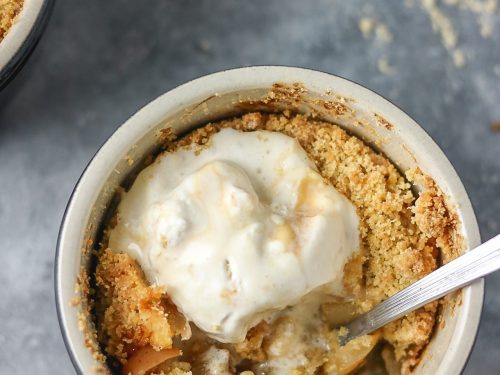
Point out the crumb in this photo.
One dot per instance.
(495, 126)
(343, 331)
(129, 160)
(166, 135)
(384, 66)
(483, 6)
(484, 11)
(441, 23)
(458, 58)
(444, 27)
(366, 26)
(485, 26)
(371, 27)
(383, 122)
(383, 33)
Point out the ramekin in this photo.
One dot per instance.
(23, 36)
(376, 120)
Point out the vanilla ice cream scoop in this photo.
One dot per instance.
(238, 230)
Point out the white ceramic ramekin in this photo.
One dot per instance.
(376, 120)
(22, 37)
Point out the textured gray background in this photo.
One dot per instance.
(100, 61)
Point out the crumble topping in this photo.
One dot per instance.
(401, 237)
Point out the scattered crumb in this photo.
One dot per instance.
(442, 24)
(483, 9)
(370, 27)
(383, 34)
(129, 160)
(384, 66)
(495, 126)
(476, 6)
(383, 122)
(443, 324)
(485, 26)
(166, 135)
(343, 331)
(366, 26)
(458, 58)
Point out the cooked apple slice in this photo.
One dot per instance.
(146, 358)
(178, 323)
(353, 354)
(337, 313)
(345, 359)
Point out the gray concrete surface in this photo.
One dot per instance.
(100, 61)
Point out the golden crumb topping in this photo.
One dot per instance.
(131, 312)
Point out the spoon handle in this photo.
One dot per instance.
(462, 271)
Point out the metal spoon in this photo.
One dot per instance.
(462, 271)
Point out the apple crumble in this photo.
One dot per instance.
(9, 9)
(401, 238)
